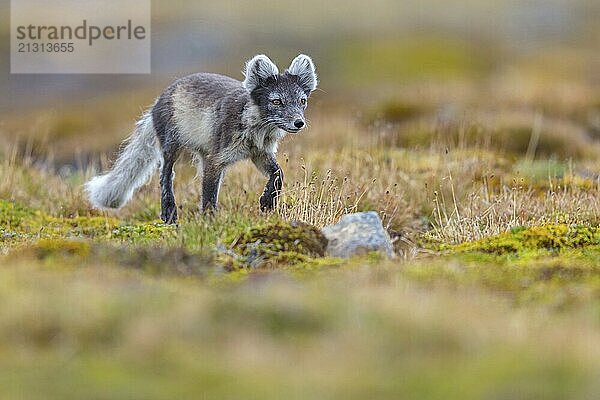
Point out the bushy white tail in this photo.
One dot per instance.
(134, 166)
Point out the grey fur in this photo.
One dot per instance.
(220, 120)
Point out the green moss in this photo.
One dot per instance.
(540, 277)
(77, 226)
(312, 266)
(154, 260)
(13, 214)
(20, 223)
(230, 278)
(34, 223)
(274, 243)
(549, 237)
(48, 248)
(281, 236)
(554, 264)
(149, 231)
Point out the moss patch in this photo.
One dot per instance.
(556, 265)
(20, 224)
(273, 244)
(149, 231)
(545, 237)
(13, 214)
(57, 253)
(49, 248)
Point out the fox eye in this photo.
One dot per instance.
(303, 101)
(276, 102)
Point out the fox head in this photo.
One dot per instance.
(281, 98)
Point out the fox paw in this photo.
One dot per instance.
(169, 215)
(267, 202)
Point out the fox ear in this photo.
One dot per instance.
(258, 70)
(304, 68)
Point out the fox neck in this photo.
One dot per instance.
(264, 136)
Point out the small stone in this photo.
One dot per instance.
(357, 234)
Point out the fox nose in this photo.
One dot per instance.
(298, 123)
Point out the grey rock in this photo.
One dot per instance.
(356, 234)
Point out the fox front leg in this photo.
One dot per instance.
(267, 164)
(211, 184)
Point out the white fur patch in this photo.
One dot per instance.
(195, 125)
(278, 135)
(251, 115)
(134, 166)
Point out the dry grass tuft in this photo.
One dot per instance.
(483, 215)
(318, 201)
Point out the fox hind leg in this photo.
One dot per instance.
(167, 198)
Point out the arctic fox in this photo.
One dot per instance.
(220, 120)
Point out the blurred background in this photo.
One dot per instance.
(382, 60)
